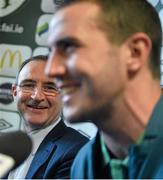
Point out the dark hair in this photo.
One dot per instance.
(34, 58)
(119, 19)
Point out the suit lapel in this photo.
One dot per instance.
(40, 158)
(144, 159)
(45, 149)
(152, 163)
(139, 158)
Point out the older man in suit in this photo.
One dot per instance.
(39, 103)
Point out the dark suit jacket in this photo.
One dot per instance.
(56, 153)
(145, 159)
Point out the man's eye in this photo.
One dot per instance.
(50, 88)
(66, 47)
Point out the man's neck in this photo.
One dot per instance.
(128, 123)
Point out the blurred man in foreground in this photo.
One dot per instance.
(39, 103)
(105, 57)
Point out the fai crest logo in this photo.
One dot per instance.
(9, 6)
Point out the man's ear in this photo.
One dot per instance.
(139, 45)
(14, 90)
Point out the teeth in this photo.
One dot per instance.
(37, 107)
(40, 107)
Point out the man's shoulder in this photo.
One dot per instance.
(75, 135)
(84, 159)
(87, 150)
(65, 135)
(72, 132)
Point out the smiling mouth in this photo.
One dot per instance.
(36, 107)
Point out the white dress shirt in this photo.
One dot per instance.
(37, 137)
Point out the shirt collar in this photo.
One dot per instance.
(38, 135)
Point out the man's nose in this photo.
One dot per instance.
(55, 66)
(38, 94)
